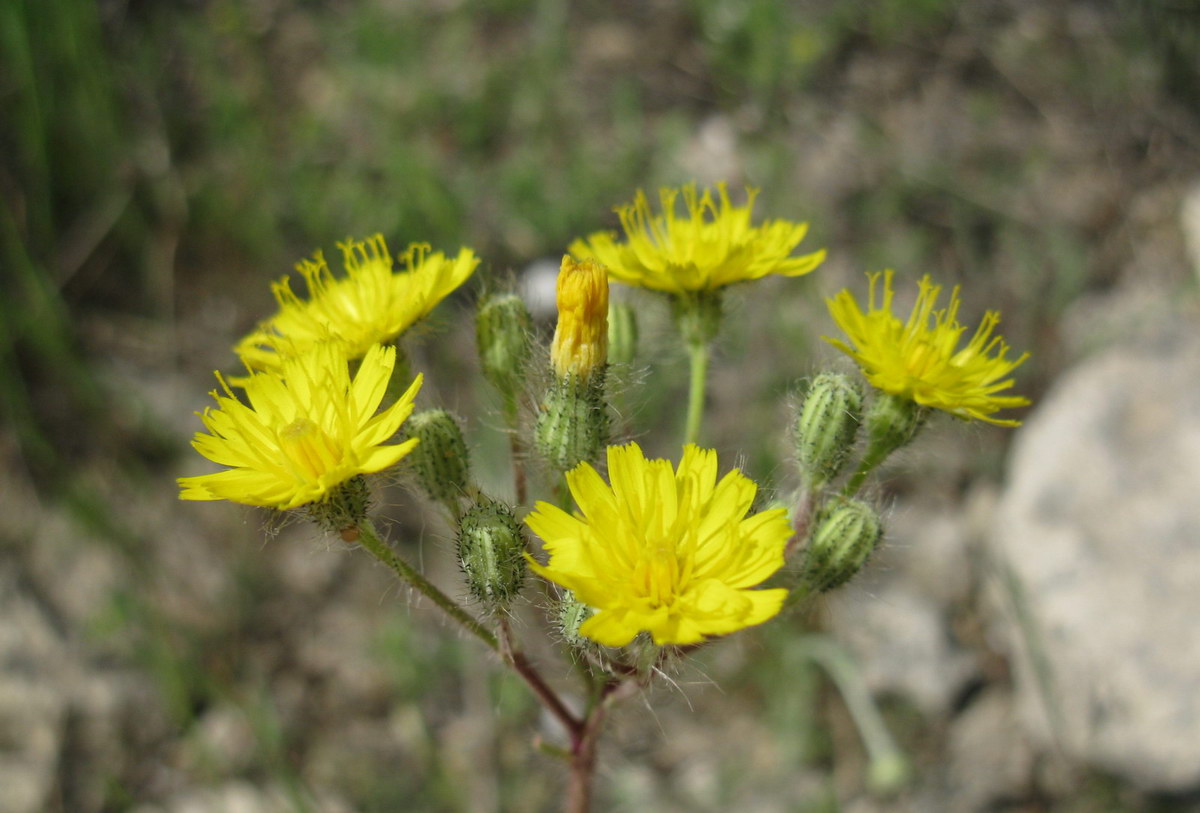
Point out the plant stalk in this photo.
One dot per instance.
(369, 539)
(698, 354)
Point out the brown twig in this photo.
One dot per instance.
(549, 698)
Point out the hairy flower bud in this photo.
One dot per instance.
(847, 532)
(440, 460)
(571, 614)
(827, 426)
(580, 347)
(491, 547)
(503, 328)
(622, 333)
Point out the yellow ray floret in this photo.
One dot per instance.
(920, 360)
(581, 336)
(714, 244)
(669, 551)
(304, 431)
(372, 304)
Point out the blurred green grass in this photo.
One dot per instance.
(156, 153)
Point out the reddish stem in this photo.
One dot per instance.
(550, 699)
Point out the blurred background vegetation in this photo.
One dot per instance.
(161, 162)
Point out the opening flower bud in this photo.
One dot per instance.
(580, 347)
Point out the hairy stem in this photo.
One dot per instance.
(369, 538)
(548, 697)
(516, 448)
(698, 353)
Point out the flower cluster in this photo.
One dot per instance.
(644, 557)
(306, 426)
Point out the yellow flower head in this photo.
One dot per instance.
(920, 360)
(663, 550)
(371, 305)
(713, 245)
(581, 337)
(305, 430)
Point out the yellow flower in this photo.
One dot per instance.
(919, 359)
(662, 550)
(581, 337)
(371, 305)
(305, 430)
(710, 247)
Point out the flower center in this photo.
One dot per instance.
(920, 357)
(658, 576)
(306, 446)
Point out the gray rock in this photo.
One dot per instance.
(1097, 550)
(989, 755)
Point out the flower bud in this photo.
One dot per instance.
(572, 423)
(827, 426)
(571, 614)
(580, 346)
(440, 460)
(503, 328)
(622, 333)
(491, 548)
(847, 532)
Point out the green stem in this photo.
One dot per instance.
(876, 454)
(516, 447)
(698, 356)
(889, 768)
(369, 539)
(891, 422)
